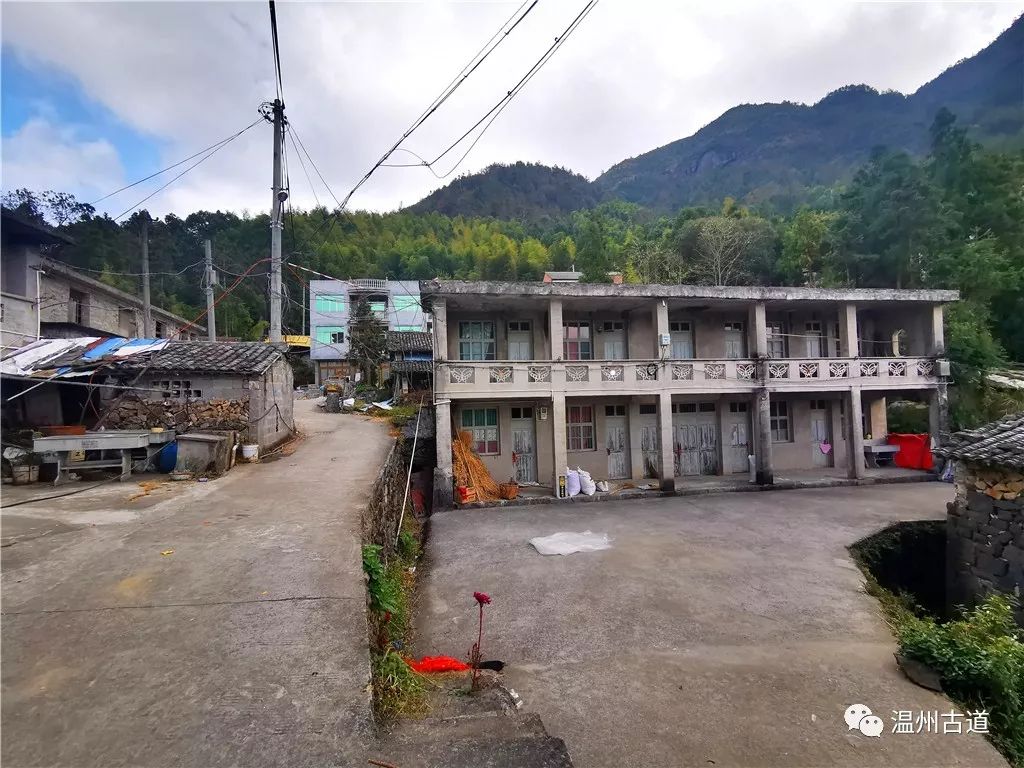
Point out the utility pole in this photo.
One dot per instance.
(276, 225)
(147, 307)
(211, 316)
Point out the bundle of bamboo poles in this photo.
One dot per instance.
(470, 472)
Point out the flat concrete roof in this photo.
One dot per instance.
(630, 290)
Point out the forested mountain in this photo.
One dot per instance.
(523, 191)
(774, 156)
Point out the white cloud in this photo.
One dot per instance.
(41, 155)
(636, 75)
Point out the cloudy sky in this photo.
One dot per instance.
(96, 95)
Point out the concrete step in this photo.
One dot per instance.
(471, 730)
(481, 752)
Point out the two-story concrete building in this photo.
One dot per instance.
(674, 382)
(331, 305)
(45, 298)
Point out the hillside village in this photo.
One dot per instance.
(736, 422)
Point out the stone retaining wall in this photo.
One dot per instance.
(985, 536)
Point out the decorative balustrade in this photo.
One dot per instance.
(597, 376)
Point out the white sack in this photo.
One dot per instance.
(567, 542)
(572, 482)
(587, 485)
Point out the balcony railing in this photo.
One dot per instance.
(597, 376)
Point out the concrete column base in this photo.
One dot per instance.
(667, 470)
(764, 471)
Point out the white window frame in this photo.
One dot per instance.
(776, 341)
(583, 432)
(734, 326)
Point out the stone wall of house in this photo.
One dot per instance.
(985, 535)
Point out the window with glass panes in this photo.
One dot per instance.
(380, 307)
(330, 334)
(327, 303)
(580, 427)
(482, 423)
(778, 416)
(476, 340)
(776, 339)
(576, 344)
(404, 303)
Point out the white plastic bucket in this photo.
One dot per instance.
(250, 452)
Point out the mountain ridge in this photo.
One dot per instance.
(773, 154)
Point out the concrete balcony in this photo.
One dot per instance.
(840, 373)
(540, 378)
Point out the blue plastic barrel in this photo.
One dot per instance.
(168, 458)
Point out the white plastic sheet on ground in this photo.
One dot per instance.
(567, 542)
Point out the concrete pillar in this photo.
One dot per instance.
(938, 341)
(848, 344)
(636, 454)
(938, 413)
(555, 332)
(757, 330)
(878, 419)
(440, 313)
(443, 479)
(659, 320)
(666, 467)
(559, 448)
(855, 431)
(720, 409)
(765, 474)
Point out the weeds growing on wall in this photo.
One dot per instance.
(390, 590)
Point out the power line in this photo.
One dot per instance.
(488, 48)
(277, 53)
(195, 164)
(135, 274)
(491, 115)
(291, 135)
(474, 63)
(169, 167)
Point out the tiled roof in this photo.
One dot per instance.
(1000, 443)
(241, 357)
(67, 358)
(409, 341)
(411, 366)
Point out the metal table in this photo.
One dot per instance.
(115, 448)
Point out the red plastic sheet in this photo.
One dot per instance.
(915, 451)
(436, 665)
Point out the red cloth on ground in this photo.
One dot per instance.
(915, 451)
(436, 664)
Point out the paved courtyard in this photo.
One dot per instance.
(217, 623)
(726, 630)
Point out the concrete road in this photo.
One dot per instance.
(726, 630)
(246, 646)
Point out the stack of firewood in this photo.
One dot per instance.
(179, 415)
(999, 484)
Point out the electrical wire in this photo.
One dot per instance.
(137, 274)
(277, 53)
(488, 48)
(498, 108)
(168, 168)
(290, 135)
(194, 165)
(445, 95)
